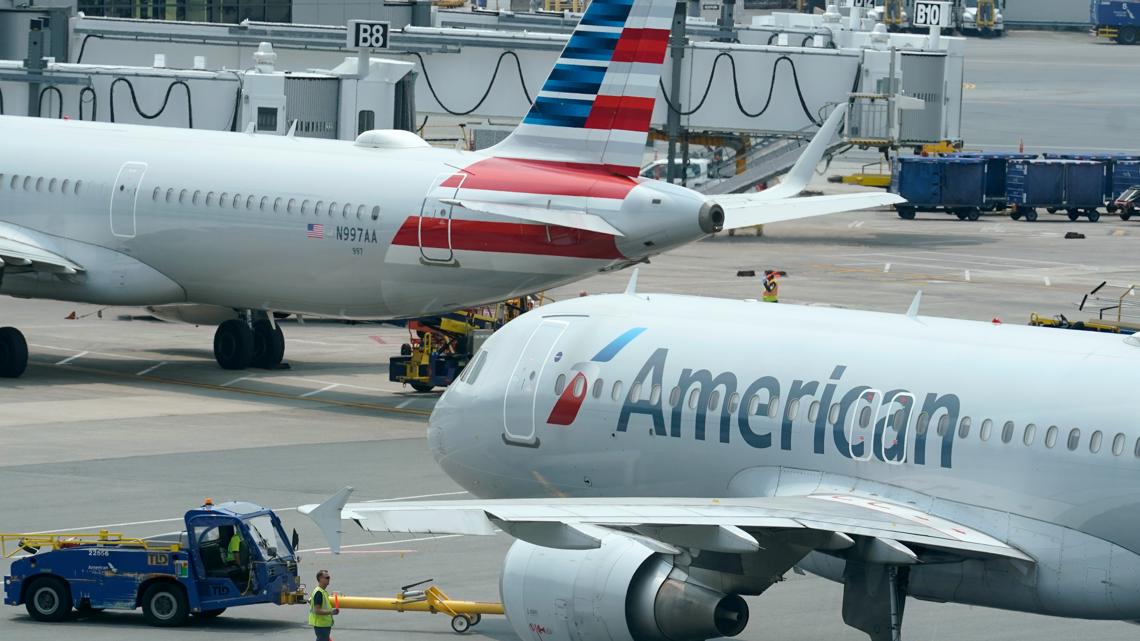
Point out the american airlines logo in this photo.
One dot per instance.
(861, 422)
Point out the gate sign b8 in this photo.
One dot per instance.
(367, 34)
(931, 14)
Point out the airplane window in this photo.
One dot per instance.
(559, 383)
(1118, 445)
(1030, 433)
(15, 179)
(53, 182)
(291, 208)
(40, 183)
(319, 208)
(304, 207)
(675, 396)
(169, 193)
(734, 402)
(277, 205)
(943, 423)
(634, 392)
(264, 203)
(753, 405)
(964, 427)
(1, 181)
(250, 202)
(655, 394)
(1094, 441)
(197, 196)
(1051, 436)
(66, 184)
(78, 186)
(238, 199)
(598, 385)
(793, 409)
(833, 414)
(224, 199)
(182, 197)
(153, 196)
(477, 367)
(813, 411)
(376, 213)
(1074, 439)
(579, 386)
(360, 212)
(865, 416)
(209, 198)
(616, 394)
(1136, 450)
(1007, 432)
(987, 427)
(900, 419)
(693, 398)
(347, 209)
(714, 398)
(923, 422)
(27, 183)
(773, 404)
(333, 208)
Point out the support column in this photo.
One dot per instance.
(676, 56)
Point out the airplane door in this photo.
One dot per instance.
(124, 199)
(435, 221)
(519, 401)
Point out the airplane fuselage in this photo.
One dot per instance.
(1023, 433)
(159, 215)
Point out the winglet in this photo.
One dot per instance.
(912, 311)
(631, 287)
(800, 175)
(293, 130)
(327, 517)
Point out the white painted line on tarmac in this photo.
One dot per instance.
(151, 369)
(236, 380)
(886, 268)
(72, 349)
(1048, 283)
(71, 358)
(404, 403)
(378, 543)
(320, 382)
(318, 391)
(107, 526)
(967, 275)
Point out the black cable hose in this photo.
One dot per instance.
(58, 93)
(1, 102)
(165, 100)
(494, 74)
(736, 90)
(94, 103)
(83, 46)
(420, 129)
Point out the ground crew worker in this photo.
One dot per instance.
(321, 612)
(771, 286)
(233, 548)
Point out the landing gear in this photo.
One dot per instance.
(13, 353)
(874, 596)
(238, 345)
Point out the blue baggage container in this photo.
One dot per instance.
(996, 162)
(1084, 184)
(1035, 183)
(1108, 158)
(1125, 174)
(963, 183)
(919, 180)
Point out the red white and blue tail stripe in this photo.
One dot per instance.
(595, 106)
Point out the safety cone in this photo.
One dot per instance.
(70, 316)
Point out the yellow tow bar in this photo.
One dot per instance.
(464, 614)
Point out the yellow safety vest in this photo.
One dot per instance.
(233, 549)
(320, 620)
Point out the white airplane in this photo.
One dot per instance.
(653, 477)
(229, 228)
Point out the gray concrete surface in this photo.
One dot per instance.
(124, 424)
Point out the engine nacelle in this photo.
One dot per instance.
(193, 314)
(622, 591)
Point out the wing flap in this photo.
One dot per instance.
(21, 252)
(747, 210)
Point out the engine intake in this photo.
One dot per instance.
(621, 591)
(711, 218)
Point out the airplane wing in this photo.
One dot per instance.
(746, 210)
(20, 253)
(894, 533)
(562, 217)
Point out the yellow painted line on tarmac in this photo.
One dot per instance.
(249, 392)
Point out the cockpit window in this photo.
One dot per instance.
(475, 367)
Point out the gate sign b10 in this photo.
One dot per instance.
(931, 14)
(367, 34)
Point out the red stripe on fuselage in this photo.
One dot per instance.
(507, 238)
(546, 177)
(641, 45)
(628, 113)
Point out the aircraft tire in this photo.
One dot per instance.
(13, 353)
(268, 345)
(233, 345)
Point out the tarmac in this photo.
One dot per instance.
(124, 424)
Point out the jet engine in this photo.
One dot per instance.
(621, 591)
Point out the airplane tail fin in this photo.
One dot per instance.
(597, 102)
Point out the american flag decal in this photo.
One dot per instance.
(315, 230)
